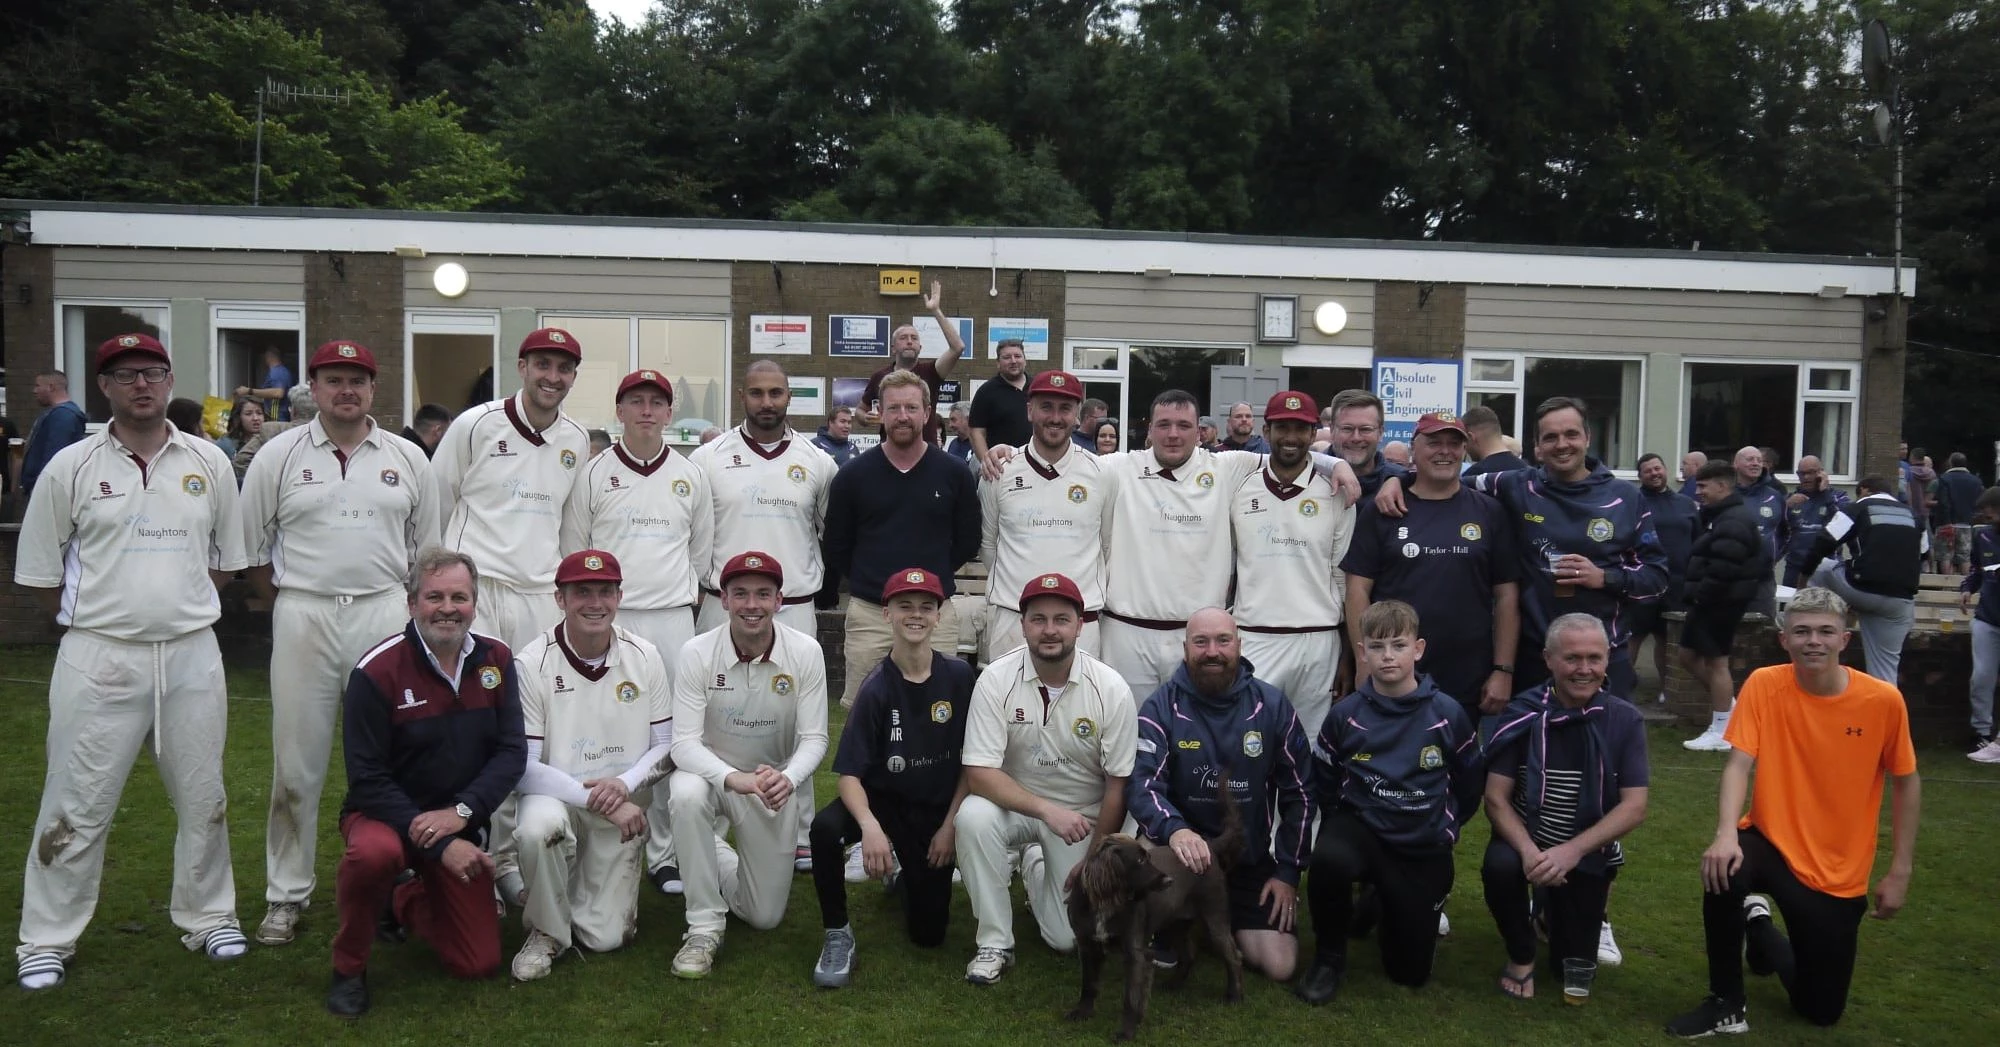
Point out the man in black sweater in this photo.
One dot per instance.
(902, 504)
(1727, 564)
(1879, 580)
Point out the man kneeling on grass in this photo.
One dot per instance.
(598, 712)
(900, 778)
(1821, 738)
(1567, 778)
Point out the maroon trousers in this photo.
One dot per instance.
(458, 919)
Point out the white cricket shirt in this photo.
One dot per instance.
(656, 517)
(502, 486)
(1289, 540)
(334, 524)
(1167, 551)
(592, 721)
(1060, 750)
(773, 501)
(732, 714)
(1041, 517)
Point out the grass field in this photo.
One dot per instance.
(1928, 977)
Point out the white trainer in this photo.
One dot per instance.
(1444, 924)
(537, 956)
(988, 964)
(1988, 753)
(1608, 953)
(697, 955)
(281, 924)
(1710, 741)
(857, 867)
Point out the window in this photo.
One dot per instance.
(246, 339)
(1794, 409)
(85, 326)
(693, 354)
(451, 356)
(1611, 388)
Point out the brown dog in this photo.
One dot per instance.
(1129, 891)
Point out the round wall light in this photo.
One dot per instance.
(1330, 318)
(450, 279)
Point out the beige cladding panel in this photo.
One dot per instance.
(1128, 307)
(1686, 323)
(607, 285)
(130, 273)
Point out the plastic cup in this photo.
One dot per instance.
(1577, 977)
(1563, 589)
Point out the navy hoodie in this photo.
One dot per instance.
(1601, 517)
(1984, 576)
(1407, 767)
(1675, 520)
(1253, 734)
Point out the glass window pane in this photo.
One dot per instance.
(86, 326)
(1609, 389)
(1731, 406)
(454, 371)
(693, 355)
(1833, 379)
(1506, 405)
(1093, 358)
(243, 359)
(1829, 428)
(1488, 369)
(1158, 369)
(607, 357)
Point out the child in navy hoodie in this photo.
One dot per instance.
(1396, 767)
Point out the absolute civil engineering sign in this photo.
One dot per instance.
(1411, 389)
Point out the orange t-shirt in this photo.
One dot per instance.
(1820, 764)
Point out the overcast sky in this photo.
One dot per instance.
(631, 12)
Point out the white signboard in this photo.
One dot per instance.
(1411, 389)
(808, 395)
(773, 335)
(1033, 333)
(933, 335)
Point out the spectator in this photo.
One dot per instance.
(1091, 413)
(186, 416)
(274, 390)
(1000, 408)
(1766, 500)
(906, 348)
(961, 434)
(303, 410)
(711, 434)
(60, 424)
(1207, 429)
(1769, 456)
(1880, 579)
(246, 420)
(1243, 431)
(1984, 579)
(833, 436)
(1809, 508)
(1485, 444)
(1106, 437)
(1958, 493)
(600, 442)
(1675, 519)
(1398, 452)
(1918, 476)
(1691, 464)
(428, 428)
(1725, 570)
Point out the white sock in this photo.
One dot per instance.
(1718, 723)
(230, 952)
(40, 981)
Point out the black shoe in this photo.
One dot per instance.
(388, 929)
(349, 996)
(1715, 1015)
(668, 879)
(1367, 912)
(1165, 956)
(1320, 984)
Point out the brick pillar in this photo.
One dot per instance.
(1422, 321)
(29, 335)
(1884, 357)
(360, 297)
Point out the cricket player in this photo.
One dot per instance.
(597, 709)
(651, 508)
(130, 532)
(1044, 513)
(334, 513)
(1291, 529)
(1049, 743)
(750, 699)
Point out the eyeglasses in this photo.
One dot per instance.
(128, 375)
(1358, 430)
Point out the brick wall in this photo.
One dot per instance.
(360, 297)
(29, 328)
(1425, 321)
(1884, 358)
(821, 290)
(21, 617)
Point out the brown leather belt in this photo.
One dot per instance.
(1157, 624)
(1286, 629)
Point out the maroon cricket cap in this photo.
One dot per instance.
(1052, 585)
(1056, 383)
(589, 565)
(552, 340)
(1292, 406)
(1440, 421)
(752, 562)
(913, 580)
(343, 354)
(131, 345)
(644, 377)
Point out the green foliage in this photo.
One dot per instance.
(943, 171)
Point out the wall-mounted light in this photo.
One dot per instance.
(450, 279)
(1330, 318)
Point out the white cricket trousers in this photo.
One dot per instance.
(669, 629)
(1300, 664)
(1146, 658)
(514, 618)
(583, 882)
(104, 697)
(757, 883)
(1003, 633)
(987, 833)
(315, 641)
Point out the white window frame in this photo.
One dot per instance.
(728, 377)
(61, 339)
(253, 316)
(1802, 395)
(1122, 374)
(1519, 388)
(473, 322)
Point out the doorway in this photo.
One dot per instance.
(451, 358)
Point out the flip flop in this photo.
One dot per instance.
(1518, 985)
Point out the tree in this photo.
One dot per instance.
(938, 170)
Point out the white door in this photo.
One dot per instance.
(1252, 385)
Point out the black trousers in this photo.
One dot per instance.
(1575, 910)
(926, 891)
(1816, 965)
(1411, 887)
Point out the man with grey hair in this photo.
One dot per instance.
(1398, 452)
(1691, 464)
(1567, 778)
(303, 410)
(1242, 434)
(1821, 740)
(1766, 501)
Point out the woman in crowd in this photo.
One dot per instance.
(246, 420)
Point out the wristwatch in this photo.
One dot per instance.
(463, 812)
(1497, 667)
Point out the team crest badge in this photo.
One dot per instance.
(940, 712)
(593, 562)
(1205, 480)
(1598, 530)
(1766, 511)
(128, 341)
(1412, 550)
(1293, 403)
(568, 458)
(391, 478)
(1058, 381)
(1084, 728)
(489, 677)
(648, 376)
(1050, 581)
(753, 562)
(557, 337)
(682, 488)
(797, 473)
(1253, 744)
(914, 577)
(1077, 494)
(1470, 532)
(781, 685)
(1308, 508)
(628, 692)
(1431, 758)
(194, 484)
(346, 352)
